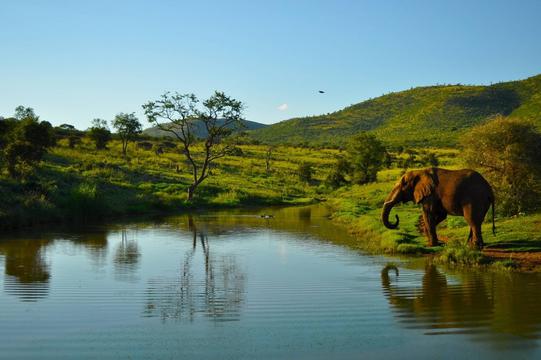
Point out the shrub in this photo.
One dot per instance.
(99, 133)
(507, 151)
(305, 171)
(366, 154)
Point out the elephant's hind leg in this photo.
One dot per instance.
(475, 237)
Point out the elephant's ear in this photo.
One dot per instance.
(424, 187)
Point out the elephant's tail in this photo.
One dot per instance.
(493, 224)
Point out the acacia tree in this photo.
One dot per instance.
(128, 127)
(181, 114)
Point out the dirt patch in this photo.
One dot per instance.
(526, 261)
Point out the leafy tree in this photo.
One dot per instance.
(305, 171)
(366, 154)
(128, 127)
(22, 112)
(99, 133)
(507, 151)
(26, 144)
(180, 114)
(337, 175)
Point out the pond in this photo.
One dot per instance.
(233, 284)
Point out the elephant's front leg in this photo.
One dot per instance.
(430, 224)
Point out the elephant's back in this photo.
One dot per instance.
(460, 187)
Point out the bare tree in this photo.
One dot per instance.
(186, 118)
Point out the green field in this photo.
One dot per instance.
(87, 184)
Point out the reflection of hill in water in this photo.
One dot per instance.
(304, 220)
(485, 305)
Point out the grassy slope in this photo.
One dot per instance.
(359, 207)
(423, 116)
(84, 183)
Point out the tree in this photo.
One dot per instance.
(366, 154)
(305, 171)
(128, 127)
(22, 112)
(268, 158)
(337, 175)
(27, 142)
(99, 133)
(180, 114)
(507, 151)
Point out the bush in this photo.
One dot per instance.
(99, 133)
(366, 154)
(337, 176)
(25, 144)
(305, 171)
(507, 151)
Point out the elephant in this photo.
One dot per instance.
(444, 192)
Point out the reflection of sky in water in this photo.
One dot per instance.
(250, 287)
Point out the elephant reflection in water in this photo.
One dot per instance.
(216, 290)
(501, 302)
(438, 305)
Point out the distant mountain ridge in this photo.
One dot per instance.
(422, 116)
(200, 130)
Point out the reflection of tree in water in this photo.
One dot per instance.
(126, 259)
(501, 303)
(216, 291)
(26, 269)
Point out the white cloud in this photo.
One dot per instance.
(283, 107)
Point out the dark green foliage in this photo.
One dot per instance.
(366, 155)
(99, 133)
(305, 171)
(337, 176)
(430, 159)
(73, 140)
(25, 143)
(22, 112)
(507, 152)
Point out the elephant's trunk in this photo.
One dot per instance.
(387, 206)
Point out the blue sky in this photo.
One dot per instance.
(73, 61)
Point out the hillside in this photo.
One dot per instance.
(200, 130)
(423, 116)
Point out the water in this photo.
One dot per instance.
(232, 285)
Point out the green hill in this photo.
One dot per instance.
(423, 116)
(200, 130)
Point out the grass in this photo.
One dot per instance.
(84, 183)
(423, 116)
